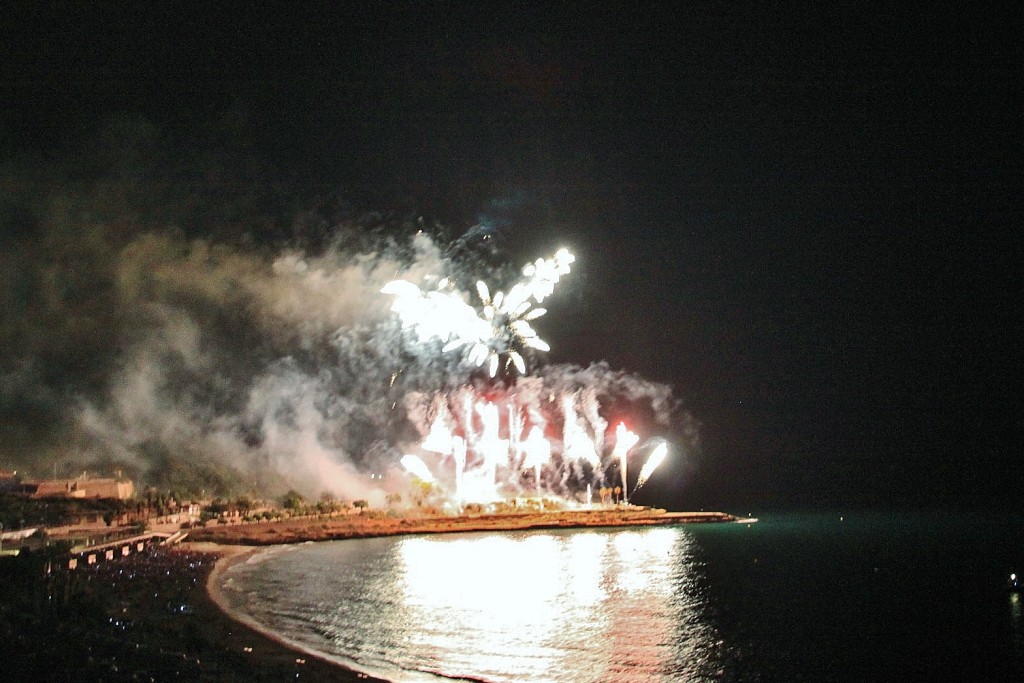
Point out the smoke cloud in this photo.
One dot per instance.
(195, 339)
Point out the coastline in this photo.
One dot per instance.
(233, 544)
(324, 528)
(266, 644)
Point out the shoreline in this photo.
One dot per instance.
(323, 528)
(235, 544)
(226, 557)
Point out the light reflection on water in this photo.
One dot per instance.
(608, 605)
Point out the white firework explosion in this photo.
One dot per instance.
(501, 326)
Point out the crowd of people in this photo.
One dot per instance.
(141, 617)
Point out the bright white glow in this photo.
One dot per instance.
(537, 449)
(543, 274)
(537, 452)
(500, 327)
(539, 589)
(537, 343)
(459, 457)
(537, 606)
(624, 441)
(439, 440)
(656, 458)
(417, 468)
(518, 361)
(485, 452)
(578, 444)
(491, 446)
(502, 446)
(436, 315)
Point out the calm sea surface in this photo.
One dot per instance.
(819, 597)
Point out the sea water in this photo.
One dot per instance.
(817, 597)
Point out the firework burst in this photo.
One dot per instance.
(483, 442)
(500, 327)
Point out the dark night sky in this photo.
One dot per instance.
(805, 220)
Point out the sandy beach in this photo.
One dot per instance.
(262, 648)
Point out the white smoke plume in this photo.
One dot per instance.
(280, 364)
(206, 359)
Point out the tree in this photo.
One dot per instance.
(328, 503)
(421, 490)
(292, 500)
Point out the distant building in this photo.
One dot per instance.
(83, 487)
(11, 482)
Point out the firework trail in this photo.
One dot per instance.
(417, 467)
(655, 459)
(625, 440)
